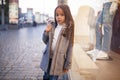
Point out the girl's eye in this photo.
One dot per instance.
(57, 15)
(62, 14)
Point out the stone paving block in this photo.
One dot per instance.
(20, 54)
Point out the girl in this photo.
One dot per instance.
(59, 38)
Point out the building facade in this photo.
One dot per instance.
(4, 8)
(62, 2)
(13, 11)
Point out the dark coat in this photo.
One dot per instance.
(115, 41)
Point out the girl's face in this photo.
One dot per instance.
(60, 16)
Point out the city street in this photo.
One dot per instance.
(20, 53)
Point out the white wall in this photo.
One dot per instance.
(75, 4)
(80, 11)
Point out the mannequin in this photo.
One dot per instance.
(104, 30)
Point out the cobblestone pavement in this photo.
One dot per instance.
(20, 53)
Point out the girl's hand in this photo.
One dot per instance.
(48, 28)
(65, 70)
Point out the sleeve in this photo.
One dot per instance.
(69, 54)
(45, 37)
(68, 61)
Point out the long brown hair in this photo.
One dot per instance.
(69, 32)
